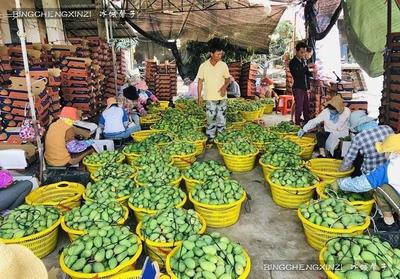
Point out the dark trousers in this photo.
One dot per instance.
(322, 136)
(15, 194)
(301, 105)
(357, 165)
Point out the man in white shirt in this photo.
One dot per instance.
(214, 77)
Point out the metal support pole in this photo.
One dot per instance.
(111, 41)
(387, 72)
(22, 35)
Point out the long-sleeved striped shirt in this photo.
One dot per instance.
(364, 142)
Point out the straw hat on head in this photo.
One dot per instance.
(337, 103)
(111, 101)
(18, 262)
(390, 144)
(359, 117)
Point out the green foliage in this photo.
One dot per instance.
(281, 39)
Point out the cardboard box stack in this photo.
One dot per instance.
(77, 85)
(5, 65)
(248, 80)
(391, 92)
(121, 73)
(14, 106)
(150, 75)
(166, 81)
(235, 69)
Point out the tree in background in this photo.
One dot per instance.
(281, 40)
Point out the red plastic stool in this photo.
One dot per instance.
(285, 104)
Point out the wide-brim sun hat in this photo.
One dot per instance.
(18, 262)
(359, 117)
(337, 103)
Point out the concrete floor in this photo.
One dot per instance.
(268, 232)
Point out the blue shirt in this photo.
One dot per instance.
(379, 176)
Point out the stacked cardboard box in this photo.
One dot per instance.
(5, 66)
(390, 109)
(235, 69)
(150, 75)
(289, 77)
(121, 65)
(166, 81)
(77, 85)
(161, 79)
(248, 80)
(17, 61)
(356, 76)
(14, 106)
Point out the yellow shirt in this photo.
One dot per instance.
(56, 152)
(213, 79)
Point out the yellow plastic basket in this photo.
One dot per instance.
(268, 108)
(290, 197)
(148, 120)
(259, 145)
(244, 275)
(41, 243)
(267, 169)
(180, 106)
(91, 168)
(184, 161)
(190, 183)
(131, 157)
(236, 125)
(126, 266)
(239, 163)
(174, 183)
(307, 145)
(324, 266)
(135, 274)
(219, 216)
(144, 134)
(74, 234)
(159, 251)
(219, 145)
(164, 105)
(96, 180)
(250, 115)
(362, 206)
(141, 212)
(122, 200)
(327, 169)
(200, 146)
(317, 235)
(62, 195)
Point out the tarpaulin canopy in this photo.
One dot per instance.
(366, 27)
(243, 24)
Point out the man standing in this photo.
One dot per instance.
(299, 70)
(214, 76)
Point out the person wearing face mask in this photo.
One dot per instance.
(384, 180)
(363, 143)
(336, 125)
